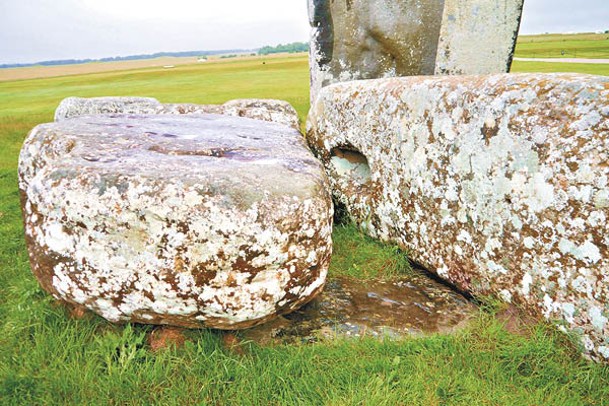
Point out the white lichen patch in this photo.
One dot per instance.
(193, 221)
(497, 183)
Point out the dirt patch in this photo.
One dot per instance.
(516, 321)
(165, 337)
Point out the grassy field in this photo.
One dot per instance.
(592, 46)
(591, 69)
(36, 72)
(47, 357)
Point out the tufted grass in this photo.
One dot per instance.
(46, 357)
(359, 256)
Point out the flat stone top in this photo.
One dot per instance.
(205, 148)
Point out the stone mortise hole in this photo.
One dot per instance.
(352, 164)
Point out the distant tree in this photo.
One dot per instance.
(287, 48)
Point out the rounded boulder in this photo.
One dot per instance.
(193, 221)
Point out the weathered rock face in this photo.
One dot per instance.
(497, 183)
(191, 221)
(368, 39)
(187, 108)
(478, 36)
(78, 106)
(276, 111)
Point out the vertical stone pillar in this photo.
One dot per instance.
(369, 39)
(478, 36)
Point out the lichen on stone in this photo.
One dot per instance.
(496, 183)
(193, 221)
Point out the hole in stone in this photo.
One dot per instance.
(348, 162)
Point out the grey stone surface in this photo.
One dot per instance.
(80, 106)
(499, 183)
(192, 221)
(368, 39)
(188, 108)
(478, 36)
(277, 111)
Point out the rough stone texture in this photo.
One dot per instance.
(497, 183)
(368, 39)
(188, 108)
(478, 36)
(191, 221)
(79, 106)
(276, 111)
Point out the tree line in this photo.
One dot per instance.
(284, 48)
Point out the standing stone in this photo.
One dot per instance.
(499, 184)
(192, 221)
(478, 36)
(368, 39)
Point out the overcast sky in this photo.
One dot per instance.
(37, 30)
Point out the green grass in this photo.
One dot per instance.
(357, 255)
(26, 102)
(546, 67)
(594, 46)
(48, 358)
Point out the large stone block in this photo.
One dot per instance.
(193, 221)
(277, 111)
(499, 184)
(368, 39)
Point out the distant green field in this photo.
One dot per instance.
(46, 357)
(592, 46)
(546, 67)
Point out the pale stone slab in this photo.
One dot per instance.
(478, 36)
(499, 184)
(201, 220)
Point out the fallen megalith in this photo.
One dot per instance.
(499, 184)
(192, 221)
(368, 39)
(277, 111)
